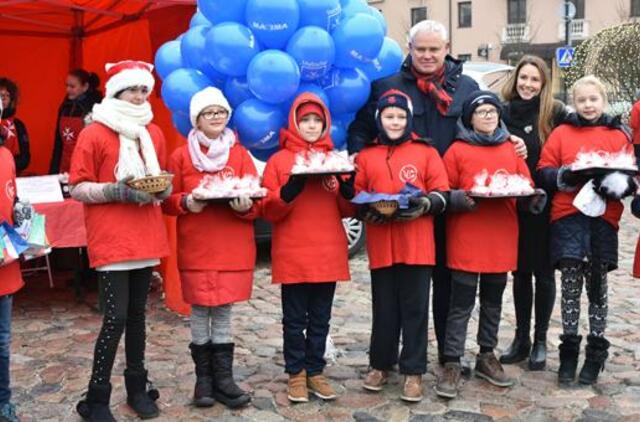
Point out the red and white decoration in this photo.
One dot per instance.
(501, 184)
(217, 187)
(621, 160)
(317, 162)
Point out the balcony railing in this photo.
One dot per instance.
(515, 33)
(579, 29)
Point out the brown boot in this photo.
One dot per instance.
(374, 380)
(298, 392)
(412, 390)
(448, 382)
(488, 368)
(319, 385)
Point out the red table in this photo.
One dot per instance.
(64, 223)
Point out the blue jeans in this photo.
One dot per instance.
(5, 347)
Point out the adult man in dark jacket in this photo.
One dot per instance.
(434, 81)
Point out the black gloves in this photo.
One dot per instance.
(418, 206)
(347, 190)
(534, 204)
(568, 179)
(460, 201)
(615, 185)
(635, 206)
(294, 186)
(371, 215)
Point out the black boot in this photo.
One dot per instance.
(95, 406)
(225, 390)
(596, 354)
(203, 391)
(140, 398)
(538, 356)
(569, 351)
(519, 349)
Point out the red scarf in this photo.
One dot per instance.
(432, 86)
(9, 132)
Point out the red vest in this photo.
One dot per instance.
(69, 127)
(11, 142)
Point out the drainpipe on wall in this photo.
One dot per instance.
(450, 29)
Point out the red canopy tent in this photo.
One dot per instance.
(43, 39)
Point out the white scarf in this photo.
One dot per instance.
(130, 121)
(218, 150)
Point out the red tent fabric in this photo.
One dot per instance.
(43, 39)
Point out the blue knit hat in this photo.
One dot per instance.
(475, 100)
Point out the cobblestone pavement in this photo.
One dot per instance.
(54, 336)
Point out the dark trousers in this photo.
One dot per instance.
(5, 348)
(523, 297)
(306, 309)
(400, 301)
(441, 289)
(463, 299)
(125, 295)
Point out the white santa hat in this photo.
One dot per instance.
(209, 96)
(127, 74)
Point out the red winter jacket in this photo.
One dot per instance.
(308, 243)
(116, 232)
(484, 240)
(634, 122)
(386, 169)
(217, 238)
(564, 143)
(10, 276)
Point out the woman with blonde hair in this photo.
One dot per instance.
(531, 113)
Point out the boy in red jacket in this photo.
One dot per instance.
(216, 249)
(11, 283)
(401, 249)
(584, 248)
(482, 245)
(308, 246)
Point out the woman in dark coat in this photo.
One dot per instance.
(13, 132)
(531, 113)
(82, 94)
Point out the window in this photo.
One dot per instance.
(464, 14)
(517, 11)
(464, 57)
(579, 4)
(635, 7)
(418, 14)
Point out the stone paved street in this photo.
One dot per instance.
(53, 344)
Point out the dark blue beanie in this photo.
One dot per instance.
(475, 100)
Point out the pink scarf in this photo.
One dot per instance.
(218, 150)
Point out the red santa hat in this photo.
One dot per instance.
(127, 74)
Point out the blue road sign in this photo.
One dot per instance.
(564, 56)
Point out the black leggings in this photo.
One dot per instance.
(125, 295)
(545, 297)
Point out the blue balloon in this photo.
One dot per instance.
(387, 63)
(338, 135)
(217, 11)
(181, 122)
(351, 7)
(322, 13)
(273, 21)
(168, 58)
(373, 11)
(347, 89)
(199, 19)
(258, 124)
(230, 47)
(358, 40)
(237, 91)
(180, 85)
(273, 76)
(314, 51)
(263, 154)
(192, 47)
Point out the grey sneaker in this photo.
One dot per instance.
(489, 368)
(448, 382)
(8, 413)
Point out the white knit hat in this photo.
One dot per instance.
(127, 74)
(207, 97)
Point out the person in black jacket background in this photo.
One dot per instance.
(82, 94)
(437, 88)
(13, 132)
(532, 113)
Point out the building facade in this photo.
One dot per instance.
(504, 30)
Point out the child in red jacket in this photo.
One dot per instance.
(308, 245)
(584, 248)
(482, 244)
(401, 248)
(216, 249)
(11, 283)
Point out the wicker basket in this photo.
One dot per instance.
(152, 184)
(386, 208)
